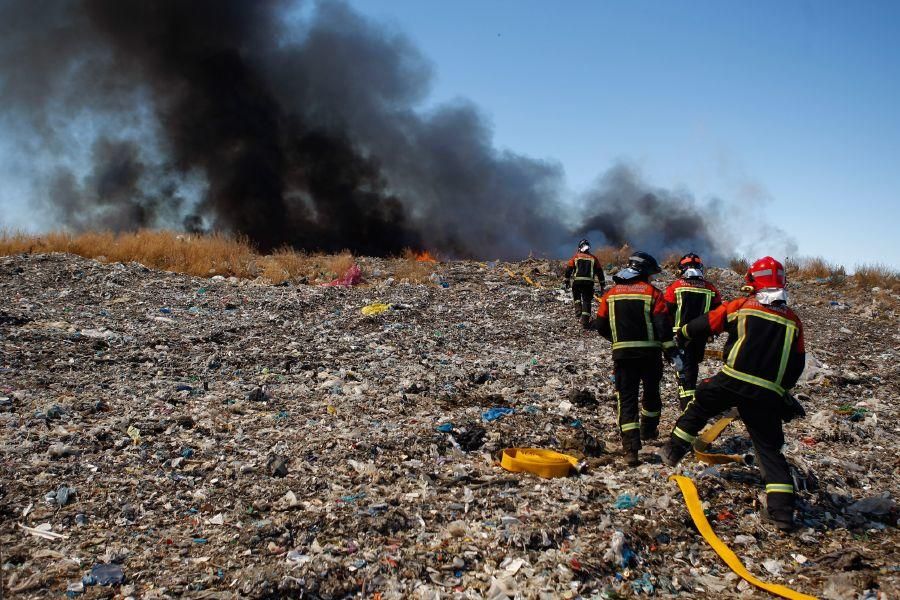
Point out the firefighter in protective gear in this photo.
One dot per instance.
(688, 297)
(585, 267)
(764, 356)
(634, 317)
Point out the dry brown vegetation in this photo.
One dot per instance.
(220, 254)
(877, 275)
(610, 256)
(739, 264)
(819, 270)
(199, 255)
(206, 255)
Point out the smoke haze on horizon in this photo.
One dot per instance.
(302, 131)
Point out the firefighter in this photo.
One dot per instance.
(688, 297)
(585, 267)
(764, 357)
(634, 317)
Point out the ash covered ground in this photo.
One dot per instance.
(225, 439)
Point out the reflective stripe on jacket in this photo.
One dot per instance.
(635, 319)
(765, 346)
(585, 266)
(690, 298)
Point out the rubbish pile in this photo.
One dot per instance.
(164, 436)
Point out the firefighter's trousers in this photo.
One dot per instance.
(693, 356)
(631, 374)
(583, 296)
(761, 415)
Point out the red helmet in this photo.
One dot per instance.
(765, 273)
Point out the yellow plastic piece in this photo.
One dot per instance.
(543, 463)
(692, 500)
(375, 309)
(529, 281)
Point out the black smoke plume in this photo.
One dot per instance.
(293, 125)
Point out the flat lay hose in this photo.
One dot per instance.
(541, 462)
(692, 500)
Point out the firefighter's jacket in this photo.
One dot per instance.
(690, 298)
(764, 350)
(634, 317)
(585, 267)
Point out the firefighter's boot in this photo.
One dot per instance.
(673, 452)
(631, 443)
(779, 510)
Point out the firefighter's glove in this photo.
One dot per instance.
(791, 408)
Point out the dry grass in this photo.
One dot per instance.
(739, 264)
(611, 257)
(815, 269)
(877, 275)
(412, 268)
(670, 262)
(205, 255)
(199, 255)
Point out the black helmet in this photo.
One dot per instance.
(640, 264)
(690, 265)
(584, 245)
(643, 263)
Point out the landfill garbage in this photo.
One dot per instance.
(352, 276)
(492, 414)
(351, 406)
(469, 438)
(277, 466)
(107, 574)
(583, 398)
(61, 496)
(375, 309)
(626, 501)
(875, 506)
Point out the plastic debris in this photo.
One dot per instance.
(352, 404)
(108, 574)
(352, 276)
(375, 309)
(625, 501)
(492, 414)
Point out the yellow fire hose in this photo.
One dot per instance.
(707, 437)
(692, 500)
(541, 462)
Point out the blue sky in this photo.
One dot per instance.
(791, 106)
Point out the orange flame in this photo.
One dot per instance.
(425, 256)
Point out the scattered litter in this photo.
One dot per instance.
(286, 445)
(352, 276)
(492, 414)
(375, 309)
(44, 530)
(625, 501)
(107, 574)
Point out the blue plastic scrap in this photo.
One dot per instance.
(492, 414)
(106, 574)
(643, 585)
(627, 501)
(445, 427)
